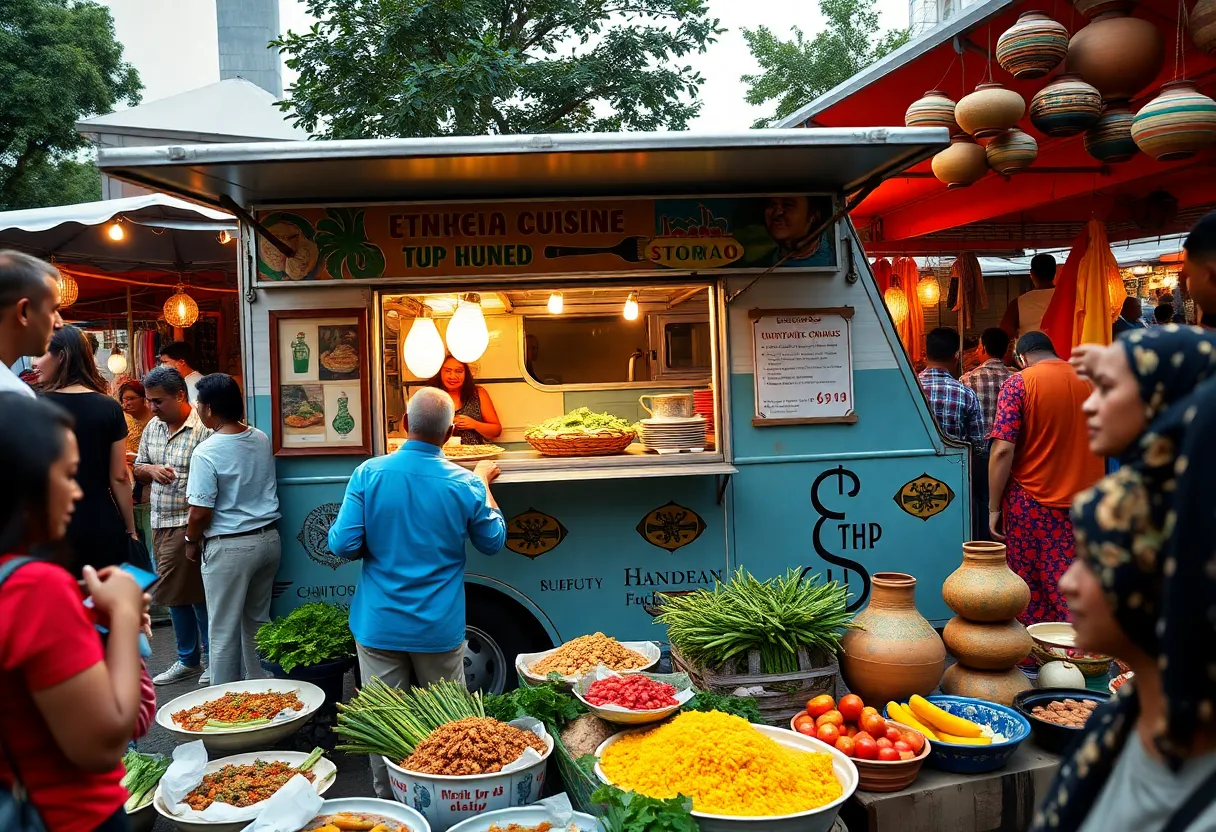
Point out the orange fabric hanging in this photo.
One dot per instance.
(966, 270)
(1089, 294)
(906, 273)
(882, 274)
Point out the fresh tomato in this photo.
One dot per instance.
(862, 735)
(850, 707)
(846, 746)
(915, 739)
(865, 748)
(828, 733)
(804, 719)
(807, 728)
(888, 755)
(907, 755)
(893, 734)
(883, 742)
(902, 746)
(832, 717)
(874, 725)
(850, 730)
(866, 711)
(820, 705)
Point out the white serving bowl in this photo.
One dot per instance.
(242, 739)
(324, 770)
(525, 816)
(812, 820)
(445, 800)
(649, 649)
(414, 821)
(625, 716)
(143, 818)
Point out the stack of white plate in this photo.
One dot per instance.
(673, 435)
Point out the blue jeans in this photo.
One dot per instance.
(190, 629)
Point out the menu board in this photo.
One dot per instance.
(803, 366)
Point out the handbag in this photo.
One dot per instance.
(137, 554)
(17, 813)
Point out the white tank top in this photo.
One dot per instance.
(1031, 307)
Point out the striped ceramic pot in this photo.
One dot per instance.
(960, 164)
(989, 111)
(1065, 107)
(933, 109)
(1203, 25)
(1033, 46)
(1011, 151)
(1176, 124)
(1110, 139)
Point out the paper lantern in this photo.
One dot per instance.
(1033, 46)
(989, 111)
(180, 309)
(933, 109)
(468, 336)
(1176, 124)
(69, 289)
(1066, 106)
(423, 349)
(960, 164)
(117, 362)
(1011, 152)
(1119, 55)
(928, 291)
(1110, 139)
(897, 304)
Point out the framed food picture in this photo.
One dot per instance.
(319, 382)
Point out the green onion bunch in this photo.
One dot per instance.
(775, 617)
(384, 720)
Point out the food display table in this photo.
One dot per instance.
(939, 801)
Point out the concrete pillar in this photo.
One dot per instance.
(245, 27)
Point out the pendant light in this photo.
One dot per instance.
(556, 303)
(928, 291)
(115, 230)
(423, 349)
(468, 336)
(69, 289)
(897, 304)
(631, 307)
(117, 362)
(180, 308)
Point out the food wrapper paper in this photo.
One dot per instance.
(290, 809)
(529, 757)
(524, 661)
(560, 811)
(680, 681)
(184, 775)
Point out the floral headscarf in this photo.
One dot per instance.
(1127, 529)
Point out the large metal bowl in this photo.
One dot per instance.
(242, 739)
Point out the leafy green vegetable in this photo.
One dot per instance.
(581, 419)
(549, 702)
(310, 634)
(735, 705)
(633, 812)
(388, 721)
(143, 773)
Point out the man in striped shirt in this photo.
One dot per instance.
(987, 378)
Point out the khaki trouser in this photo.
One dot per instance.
(402, 670)
(238, 573)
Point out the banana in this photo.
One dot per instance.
(964, 740)
(903, 716)
(940, 720)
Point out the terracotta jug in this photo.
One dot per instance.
(984, 588)
(989, 111)
(1066, 106)
(1011, 151)
(893, 652)
(998, 686)
(960, 164)
(933, 109)
(1117, 54)
(996, 646)
(1033, 46)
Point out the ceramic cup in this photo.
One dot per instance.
(668, 405)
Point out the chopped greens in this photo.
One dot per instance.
(580, 420)
(633, 812)
(143, 773)
(740, 706)
(549, 702)
(310, 634)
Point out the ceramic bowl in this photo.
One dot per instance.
(242, 739)
(523, 661)
(624, 716)
(1048, 735)
(893, 775)
(526, 816)
(1056, 641)
(413, 821)
(975, 759)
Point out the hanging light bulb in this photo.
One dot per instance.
(631, 307)
(928, 290)
(225, 238)
(117, 362)
(424, 352)
(115, 231)
(468, 336)
(897, 304)
(69, 289)
(555, 303)
(180, 309)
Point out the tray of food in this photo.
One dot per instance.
(241, 715)
(1058, 715)
(581, 433)
(584, 654)
(472, 453)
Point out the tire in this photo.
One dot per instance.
(497, 630)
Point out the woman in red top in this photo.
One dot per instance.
(68, 706)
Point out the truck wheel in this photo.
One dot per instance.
(497, 630)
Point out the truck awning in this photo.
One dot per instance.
(585, 165)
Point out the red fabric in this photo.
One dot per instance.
(1061, 315)
(147, 703)
(46, 638)
(1040, 547)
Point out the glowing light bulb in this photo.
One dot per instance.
(631, 307)
(468, 336)
(424, 352)
(117, 362)
(555, 303)
(225, 238)
(115, 231)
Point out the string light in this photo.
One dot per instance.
(556, 303)
(631, 307)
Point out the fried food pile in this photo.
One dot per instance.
(472, 746)
(585, 652)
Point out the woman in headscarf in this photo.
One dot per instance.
(1142, 588)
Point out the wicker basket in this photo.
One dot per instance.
(779, 696)
(600, 443)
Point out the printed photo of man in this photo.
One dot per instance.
(791, 222)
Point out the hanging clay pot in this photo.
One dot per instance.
(1110, 139)
(1203, 25)
(1033, 46)
(933, 109)
(1119, 55)
(1065, 107)
(984, 588)
(893, 652)
(999, 686)
(1093, 8)
(996, 646)
(1176, 124)
(962, 163)
(1011, 152)
(989, 111)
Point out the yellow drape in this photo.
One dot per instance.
(1100, 292)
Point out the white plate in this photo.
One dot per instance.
(324, 770)
(414, 821)
(242, 739)
(649, 649)
(625, 716)
(674, 420)
(524, 816)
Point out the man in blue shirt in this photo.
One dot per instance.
(407, 515)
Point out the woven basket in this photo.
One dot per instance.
(601, 443)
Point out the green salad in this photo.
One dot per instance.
(581, 420)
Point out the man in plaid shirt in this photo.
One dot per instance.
(986, 379)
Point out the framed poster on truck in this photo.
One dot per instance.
(803, 366)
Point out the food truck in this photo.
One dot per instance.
(708, 293)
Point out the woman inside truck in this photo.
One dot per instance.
(476, 420)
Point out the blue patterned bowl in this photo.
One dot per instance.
(974, 759)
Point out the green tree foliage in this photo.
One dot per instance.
(59, 62)
(796, 72)
(405, 68)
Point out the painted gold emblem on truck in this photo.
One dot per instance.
(924, 497)
(671, 527)
(534, 533)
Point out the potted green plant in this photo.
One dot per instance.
(312, 643)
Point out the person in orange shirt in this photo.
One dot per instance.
(1039, 460)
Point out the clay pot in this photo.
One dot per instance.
(998, 686)
(1033, 46)
(933, 109)
(962, 163)
(989, 111)
(984, 588)
(1066, 106)
(1093, 8)
(1203, 25)
(1119, 55)
(1176, 124)
(1011, 151)
(893, 652)
(996, 646)
(1110, 139)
